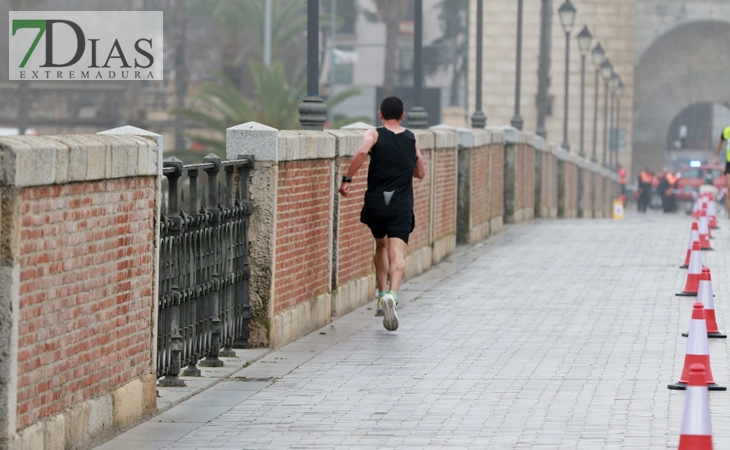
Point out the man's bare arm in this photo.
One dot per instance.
(371, 136)
(420, 170)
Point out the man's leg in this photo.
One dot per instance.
(727, 193)
(397, 261)
(381, 263)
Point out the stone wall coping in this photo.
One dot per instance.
(444, 137)
(498, 134)
(473, 137)
(269, 144)
(511, 135)
(347, 141)
(47, 160)
(296, 145)
(539, 143)
(134, 131)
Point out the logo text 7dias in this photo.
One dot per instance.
(85, 45)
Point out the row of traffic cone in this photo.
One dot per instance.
(697, 378)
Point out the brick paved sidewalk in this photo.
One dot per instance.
(551, 335)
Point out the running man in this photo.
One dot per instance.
(395, 159)
(724, 136)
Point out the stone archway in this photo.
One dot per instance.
(687, 65)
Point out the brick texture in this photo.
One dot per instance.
(421, 208)
(497, 209)
(529, 178)
(86, 291)
(480, 202)
(355, 242)
(302, 232)
(445, 193)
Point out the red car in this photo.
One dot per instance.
(691, 178)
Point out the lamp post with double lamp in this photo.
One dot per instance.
(567, 19)
(606, 72)
(598, 57)
(585, 38)
(417, 116)
(612, 85)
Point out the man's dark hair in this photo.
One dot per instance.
(391, 108)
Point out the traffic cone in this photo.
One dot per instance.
(705, 296)
(694, 235)
(696, 206)
(696, 432)
(712, 212)
(692, 285)
(704, 230)
(698, 351)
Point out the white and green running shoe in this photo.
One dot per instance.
(379, 309)
(390, 316)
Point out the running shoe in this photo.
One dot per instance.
(379, 309)
(390, 316)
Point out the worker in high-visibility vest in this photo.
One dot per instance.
(666, 187)
(724, 141)
(645, 180)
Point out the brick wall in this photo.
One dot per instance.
(302, 229)
(529, 189)
(86, 277)
(422, 207)
(444, 193)
(354, 240)
(497, 207)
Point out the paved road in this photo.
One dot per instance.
(551, 335)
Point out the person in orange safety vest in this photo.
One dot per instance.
(622, 181)
(666, 187)
(645, 181)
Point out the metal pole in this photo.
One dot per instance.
(543, 70)
(333, 36)
(605, 123)
(594, 158)
(312, 110)
(417, 116)
(267, 33)
(618, 127)
(517, 121)
(566, 145)
(582, 151)
(478, 119)
(611, 141)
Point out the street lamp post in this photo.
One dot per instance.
(612, 85)
(417, 116)
(567, 18)
(606, 71)
(619, 93)
(517, 121)
(598, 57)
(584, 44)
(479, 119)
(543, 68)
(312, 110)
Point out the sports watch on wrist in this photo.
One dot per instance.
(346, 179)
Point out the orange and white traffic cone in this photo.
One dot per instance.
(692, 284)
(712, 212)
(694, 235)
(704, 230)
(698, 351)
(696, 206)
(696, 432)
(705, 296)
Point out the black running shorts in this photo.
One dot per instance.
(391, 222)
(727, 167)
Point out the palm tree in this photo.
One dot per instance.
(221, 104)
(450, 51)
(391, 12)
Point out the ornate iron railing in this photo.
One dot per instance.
(204, 308)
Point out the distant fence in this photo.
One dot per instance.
(204, 273)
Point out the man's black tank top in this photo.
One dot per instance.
(392, 161)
